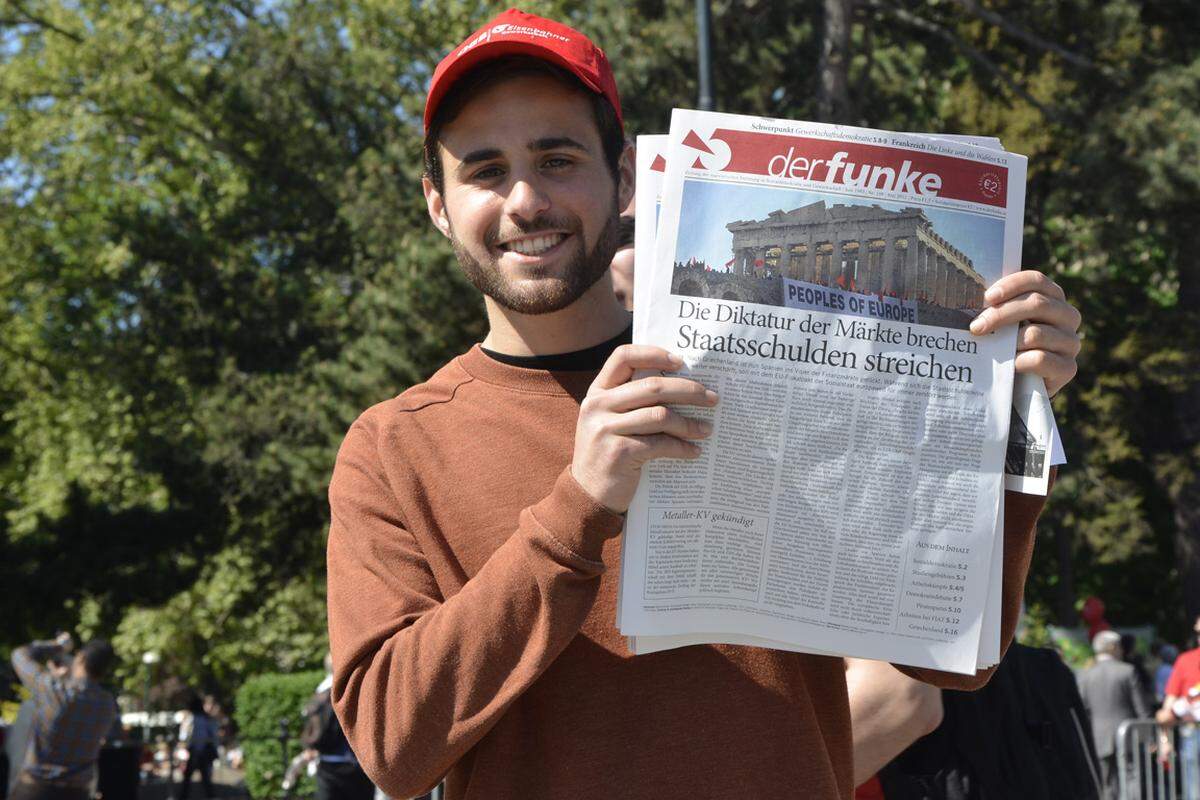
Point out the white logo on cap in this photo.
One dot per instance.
(508, 29)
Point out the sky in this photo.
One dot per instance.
(709, 207)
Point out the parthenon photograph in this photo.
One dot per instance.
(865, 249)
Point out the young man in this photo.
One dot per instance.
(72, 715)
(473, 545)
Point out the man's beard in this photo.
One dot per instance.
(547, 294)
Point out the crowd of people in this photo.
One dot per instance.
(1037, 730)
(70, 716)
(54, 747)
(910, 740)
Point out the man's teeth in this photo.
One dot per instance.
(536, 245)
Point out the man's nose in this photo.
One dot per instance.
(526, 199)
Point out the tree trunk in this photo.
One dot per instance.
(1064, 593)
(833, 98)
(1185, 489)
(1187, 544)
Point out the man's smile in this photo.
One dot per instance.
(534, 245)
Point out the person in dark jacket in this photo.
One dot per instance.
(339, 776)
(199, 734)
(1024, 735)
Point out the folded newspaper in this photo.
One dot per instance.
(822, 279)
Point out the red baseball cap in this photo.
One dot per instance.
(517, 33)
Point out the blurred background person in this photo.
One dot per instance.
(199, 734)
(1132, 655)
(1023, 735)
(1112, 693)
(339, 776)
(1181, 704)
(72, 716)
(1167, 653)
(16, 742)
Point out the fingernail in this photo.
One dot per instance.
(992, 295)
(674, 359)
(977, 325)
(704, 426)
(710, 396)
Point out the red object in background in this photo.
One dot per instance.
(871, 789)
(1093, 614)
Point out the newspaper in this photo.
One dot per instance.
(651, 169)
(872, 389)
(1029, 394)
(1034, 445)
(1032, 436)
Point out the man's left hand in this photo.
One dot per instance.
(1048, 337)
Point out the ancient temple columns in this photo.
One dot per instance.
(875, 250)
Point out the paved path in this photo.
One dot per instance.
(226, 784)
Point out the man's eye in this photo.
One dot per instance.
(487, 173)
(557, 162)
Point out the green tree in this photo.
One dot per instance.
(213, 259)
(214, 254)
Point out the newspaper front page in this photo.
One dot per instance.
(1030, 406)
(651, 169)
(821, 279)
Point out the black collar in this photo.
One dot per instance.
(589, 360)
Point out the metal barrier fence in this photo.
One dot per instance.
(1156, 763)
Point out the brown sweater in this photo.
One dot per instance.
(472, 618)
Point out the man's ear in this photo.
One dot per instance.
(436, 206)
(625, 177)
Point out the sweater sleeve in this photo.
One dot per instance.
(419, 679)
(1021, 513)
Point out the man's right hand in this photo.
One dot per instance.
(624, 423)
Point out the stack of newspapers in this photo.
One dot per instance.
(822, 279)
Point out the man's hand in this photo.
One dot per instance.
(1048, 338)
(625, 423)
(64, 640)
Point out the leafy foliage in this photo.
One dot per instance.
(264, 707)
(214, 254)
(213, 258)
